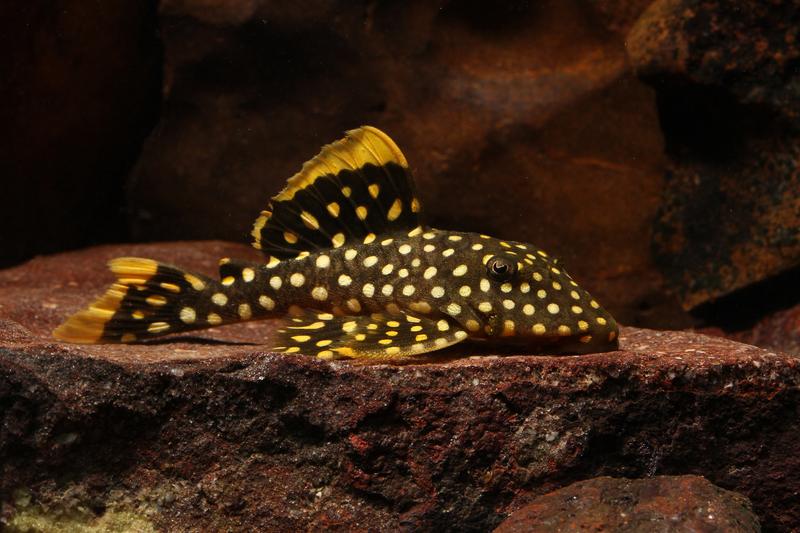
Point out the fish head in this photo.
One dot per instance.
(519, 295)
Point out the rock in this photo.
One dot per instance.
(529, 111)
(728, 96)
(661, 503)
(81, 90)
(778, 331)
(212, 432)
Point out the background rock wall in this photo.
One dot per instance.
(651, 145)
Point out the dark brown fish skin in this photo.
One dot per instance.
(441, 274)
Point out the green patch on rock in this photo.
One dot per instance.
(37, 520)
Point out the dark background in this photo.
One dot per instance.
(653, 146)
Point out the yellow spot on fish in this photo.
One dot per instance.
(297, 279)
(508, 328)
(484, 307)
(374, 190)
(228, 281)
(156, 300)
(361, 212)
(333, 209)
(245, 312)
(309, 220)
(577, 310)
(323, 261)
(528, 309)
(564, 330)
(453, 309)
(421, 307)
(187, 315)
(337, 240)
(414, 205)
(171, 287)
(196, 283)
(601, 321)
(369, 238)
(395, 210)
(319, 293)
(214, 319)
(289, 237)
(345, 280)
(437, 292)
(301, 338)
(465, 290)
(219, 298)
(353, 305)
(275, 282)
(553, 309)
(472, 325)
(248, 275)
(538, 329)
(460, 270)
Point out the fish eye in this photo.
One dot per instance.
(501, 268)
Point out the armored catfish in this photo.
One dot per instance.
(350, 260)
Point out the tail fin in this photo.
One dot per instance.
(149, 299)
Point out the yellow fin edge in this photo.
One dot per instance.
(87, 326)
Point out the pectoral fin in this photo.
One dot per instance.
(376, 336)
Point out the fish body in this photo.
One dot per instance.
(350, 260)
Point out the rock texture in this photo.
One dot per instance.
(659, 504)
(211, 432)
(729, 100)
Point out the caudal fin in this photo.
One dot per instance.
(149, 299)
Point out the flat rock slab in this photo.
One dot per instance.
(658, 504)
(212, 432)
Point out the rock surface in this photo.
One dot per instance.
(729, 101)
(659, 504)
(211, 432)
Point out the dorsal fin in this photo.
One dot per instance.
(354, 190)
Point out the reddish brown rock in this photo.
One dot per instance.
(212, 432)
(520, 121)
(661, 503)
(727, 82)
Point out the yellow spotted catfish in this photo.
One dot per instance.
(350, 258)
